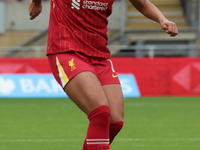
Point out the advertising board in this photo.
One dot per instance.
(44, 85)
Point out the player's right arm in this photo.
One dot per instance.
(35, 8)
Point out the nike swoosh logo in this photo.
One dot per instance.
(114, 76)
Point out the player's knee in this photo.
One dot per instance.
(97, 103)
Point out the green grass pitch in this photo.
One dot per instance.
(161, 123)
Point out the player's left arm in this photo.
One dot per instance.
(152, 12)
(35, 8)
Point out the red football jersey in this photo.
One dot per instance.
(79, 25)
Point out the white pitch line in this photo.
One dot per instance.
(119, 140)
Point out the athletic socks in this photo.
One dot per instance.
(115, 127)
(101, 132)
(84, 145)
(98, 130)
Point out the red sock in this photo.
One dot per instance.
(84, 145)
(115, 127)
(98, 130)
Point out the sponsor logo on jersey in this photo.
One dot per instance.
(72, 64)
(95, 5)
(89, 4)
(75, 4)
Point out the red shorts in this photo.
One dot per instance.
(65, 66)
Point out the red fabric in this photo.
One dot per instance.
(115, 127)
(84, 145)
(79, 26)
(98, 130)
(101, 67)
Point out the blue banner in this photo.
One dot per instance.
(45, 86)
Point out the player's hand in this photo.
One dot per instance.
(34, 9)
(170, 28)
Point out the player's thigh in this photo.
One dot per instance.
(86, 91)
(116, 102)
(76, 76)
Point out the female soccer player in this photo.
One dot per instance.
(79, 60)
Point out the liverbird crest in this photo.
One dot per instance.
(72, 64)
